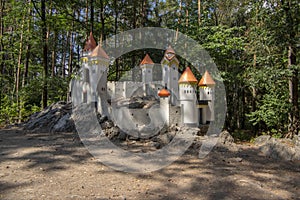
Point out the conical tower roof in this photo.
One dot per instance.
(164, 93)
(147, 60)
(170, 53)
(99, 52)
(188, 77)
(206, 80)
(90, 43)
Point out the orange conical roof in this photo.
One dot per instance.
(164, 93)
(170, 53)
(99, 52)
(206, 80)
(90, 44)
(147, 60)
(188, 77)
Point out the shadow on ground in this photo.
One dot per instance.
(52, 165)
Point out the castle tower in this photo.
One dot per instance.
(90, 45)
(207, 96)
(170, 66)
(188, 98)
(164, 105)
(147, 69)
(147, 72)
(99, 62)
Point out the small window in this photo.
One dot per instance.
(149, 71)
(208, 92)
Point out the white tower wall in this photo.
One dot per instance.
(170, 78)
(165, 109)
(206, 93)
(147, 71)
(188, 101)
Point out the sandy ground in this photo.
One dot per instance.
(57, 166)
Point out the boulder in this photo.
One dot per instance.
(225, 138)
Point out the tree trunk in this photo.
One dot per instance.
(293, 128)
(116, 30)
(53, 56)
(28, 46)
(45, 54)
(70, 66)
(2, 3)
(102, 19)
(63, 67)
(92, 16)
(18, 75)
(179, 21)
(199, 13)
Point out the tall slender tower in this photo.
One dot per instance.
(170, 66)
(90, 45)
(99, 62)
(207, 93)
(188, 98)
(147, 73)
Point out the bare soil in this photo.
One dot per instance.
(57, 166)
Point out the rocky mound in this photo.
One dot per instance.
(285, 149)
(54, 118)
(58, 118)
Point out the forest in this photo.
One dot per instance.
(254, 43)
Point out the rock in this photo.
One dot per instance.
(136, 105)
(102, 119)
(203, 130)
(297, 140)
(164, 139)
(283, 149)
(122, 135)
(225, 138)
(61, 124)
(107, 124)
(262, 139)
(112, 133)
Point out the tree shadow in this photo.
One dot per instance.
(225, 173)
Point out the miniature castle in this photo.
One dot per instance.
(192, 100)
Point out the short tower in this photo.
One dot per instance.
(188, 99)
(206, 97)
(164, 105)
(147, 73)
(147, 69)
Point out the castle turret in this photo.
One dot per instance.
(164, 105)
(147, 69)
(147, 73)
(99, 62)
(170, 74)
(188, 98)
(206, 97)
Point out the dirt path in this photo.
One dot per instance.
(57, 166)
